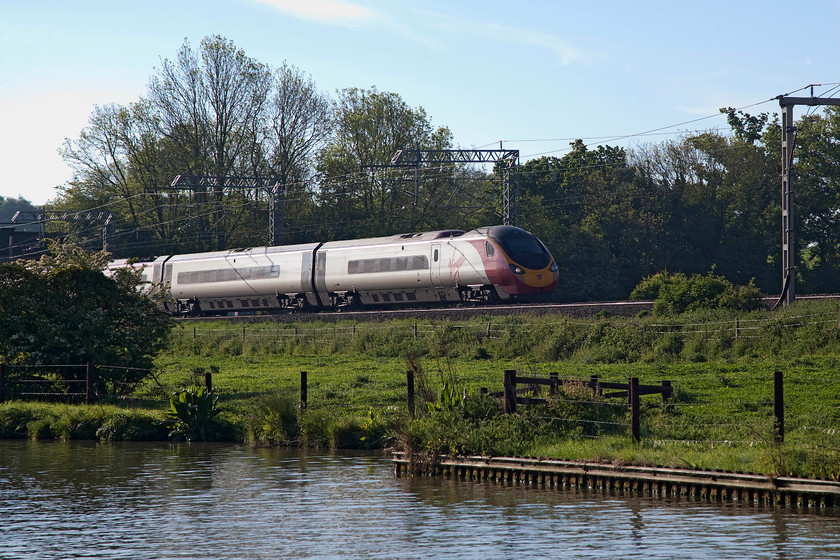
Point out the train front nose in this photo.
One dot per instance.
(530, 281)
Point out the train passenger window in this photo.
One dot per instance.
(489, 248)
(435, 256)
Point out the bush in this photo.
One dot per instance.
(677, 293)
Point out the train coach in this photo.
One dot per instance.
(495, 263)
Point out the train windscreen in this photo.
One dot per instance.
(525, 249)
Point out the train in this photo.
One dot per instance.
(487, 264)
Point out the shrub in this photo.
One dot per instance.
(677, 293)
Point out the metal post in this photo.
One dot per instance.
(276, 213)
(788, 249)
(417, 178)
(778, 407)
(788, 144)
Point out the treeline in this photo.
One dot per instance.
(611, 217)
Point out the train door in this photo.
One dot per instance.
(435, 260)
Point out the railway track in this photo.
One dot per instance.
(455, 313)
(458, 313)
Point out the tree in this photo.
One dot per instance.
(209, 106)
(297, 124)
(62, 309)
(212, 112)
(369, 127)
(595, 219)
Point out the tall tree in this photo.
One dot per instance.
(297, 122)
(214, 112)
(369, 127)
(209, 105)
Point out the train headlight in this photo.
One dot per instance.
(516, 269)
(554, 267)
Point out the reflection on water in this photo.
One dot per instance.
(143, 501)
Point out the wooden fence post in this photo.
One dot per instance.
(208, 380)
(2, 382)
(90, 392)
(634, 409)
(736, 328)
(778, 407)
(510, 391)
(593, 382)
(554, 377)
(667, 391)
(409, 375)
(303, 390)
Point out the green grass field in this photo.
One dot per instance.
(720, 365)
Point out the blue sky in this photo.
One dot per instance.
(535, 75)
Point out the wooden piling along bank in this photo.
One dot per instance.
(654, 481)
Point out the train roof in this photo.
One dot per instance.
(395, 239)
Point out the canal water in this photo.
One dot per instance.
(209, 501)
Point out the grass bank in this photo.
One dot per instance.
(720, 364)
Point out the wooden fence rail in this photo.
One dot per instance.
(631, 390)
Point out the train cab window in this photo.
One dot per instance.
(489, 248)
(435, 256)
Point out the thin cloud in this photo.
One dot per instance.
(332, 12)
(564, 53)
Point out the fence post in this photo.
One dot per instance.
(736, 328)
(554, 377)
(593, 382)
(303, 390)
(90, 392)
(208, 380)
(2, 382)
(667, 391)
(409, 375)
(778, 407)
(634, 409)
(510, 391)
(415, 331)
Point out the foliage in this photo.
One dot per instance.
(62, 309)
(450, 399)
(273, 420)
(677, 293)
(25, 420)
(192, 412)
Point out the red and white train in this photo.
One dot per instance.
(495, 263)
